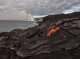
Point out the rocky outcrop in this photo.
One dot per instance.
(33, 43)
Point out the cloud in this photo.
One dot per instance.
(72, 9)
(16, 8)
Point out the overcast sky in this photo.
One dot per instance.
(17, 9)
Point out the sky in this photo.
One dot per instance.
(18, 9)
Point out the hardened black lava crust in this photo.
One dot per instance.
(33, 43)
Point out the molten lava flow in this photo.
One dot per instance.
(53, 30)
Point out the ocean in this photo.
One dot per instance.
(6, 26)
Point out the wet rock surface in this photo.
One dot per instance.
(33, 43)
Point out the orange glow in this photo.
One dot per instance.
(53, 30)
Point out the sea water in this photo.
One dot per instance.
(6, 26)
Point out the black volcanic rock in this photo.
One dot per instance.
(33, 43)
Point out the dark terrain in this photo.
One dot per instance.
(33, 43)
